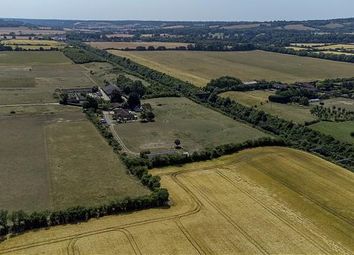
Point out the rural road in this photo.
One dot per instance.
(16, 105)
(116, 136)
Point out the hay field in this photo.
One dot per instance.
(133, 45)
(200, 67)
(58, 160)
(33, 44)
(339, 130)
(259, 201)
(259, 98)
(179, 118)
(32, 77)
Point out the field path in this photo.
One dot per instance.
(116, 136)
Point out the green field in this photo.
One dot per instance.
(196, 126)
(339, 102)
(58, 160)
(200, 67)
(339, 130)
(259, 99)
(32, 77)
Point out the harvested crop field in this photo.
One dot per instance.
(304, 203)
(133, 45)
(179, 118)
(259, 99)
(58, 160)
(32, 77)
(200, 67)
(33, 44)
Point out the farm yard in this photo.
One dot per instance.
(32, 77)
(133, 45)
(304, 203)
(259, 98)
(339, 130)
(58, 160)
(179, 118)
(200, 67)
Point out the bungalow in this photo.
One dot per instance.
(123, 115)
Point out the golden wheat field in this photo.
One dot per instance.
(262, 201)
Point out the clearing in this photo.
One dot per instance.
(179, 118)
(58, 160)
(200, 67)
(32, 77)
(259, 98)
(305, 204)
(339, 130)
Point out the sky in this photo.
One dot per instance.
(178, 10)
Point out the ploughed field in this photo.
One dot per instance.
(57, 159)
(259, 201)
(180, 118)
(259, 99)
(32, 77)
(200, 67)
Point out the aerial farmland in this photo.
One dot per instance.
(176, 137)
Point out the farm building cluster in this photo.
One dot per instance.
(112, 100)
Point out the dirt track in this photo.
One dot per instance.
(261, 201)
